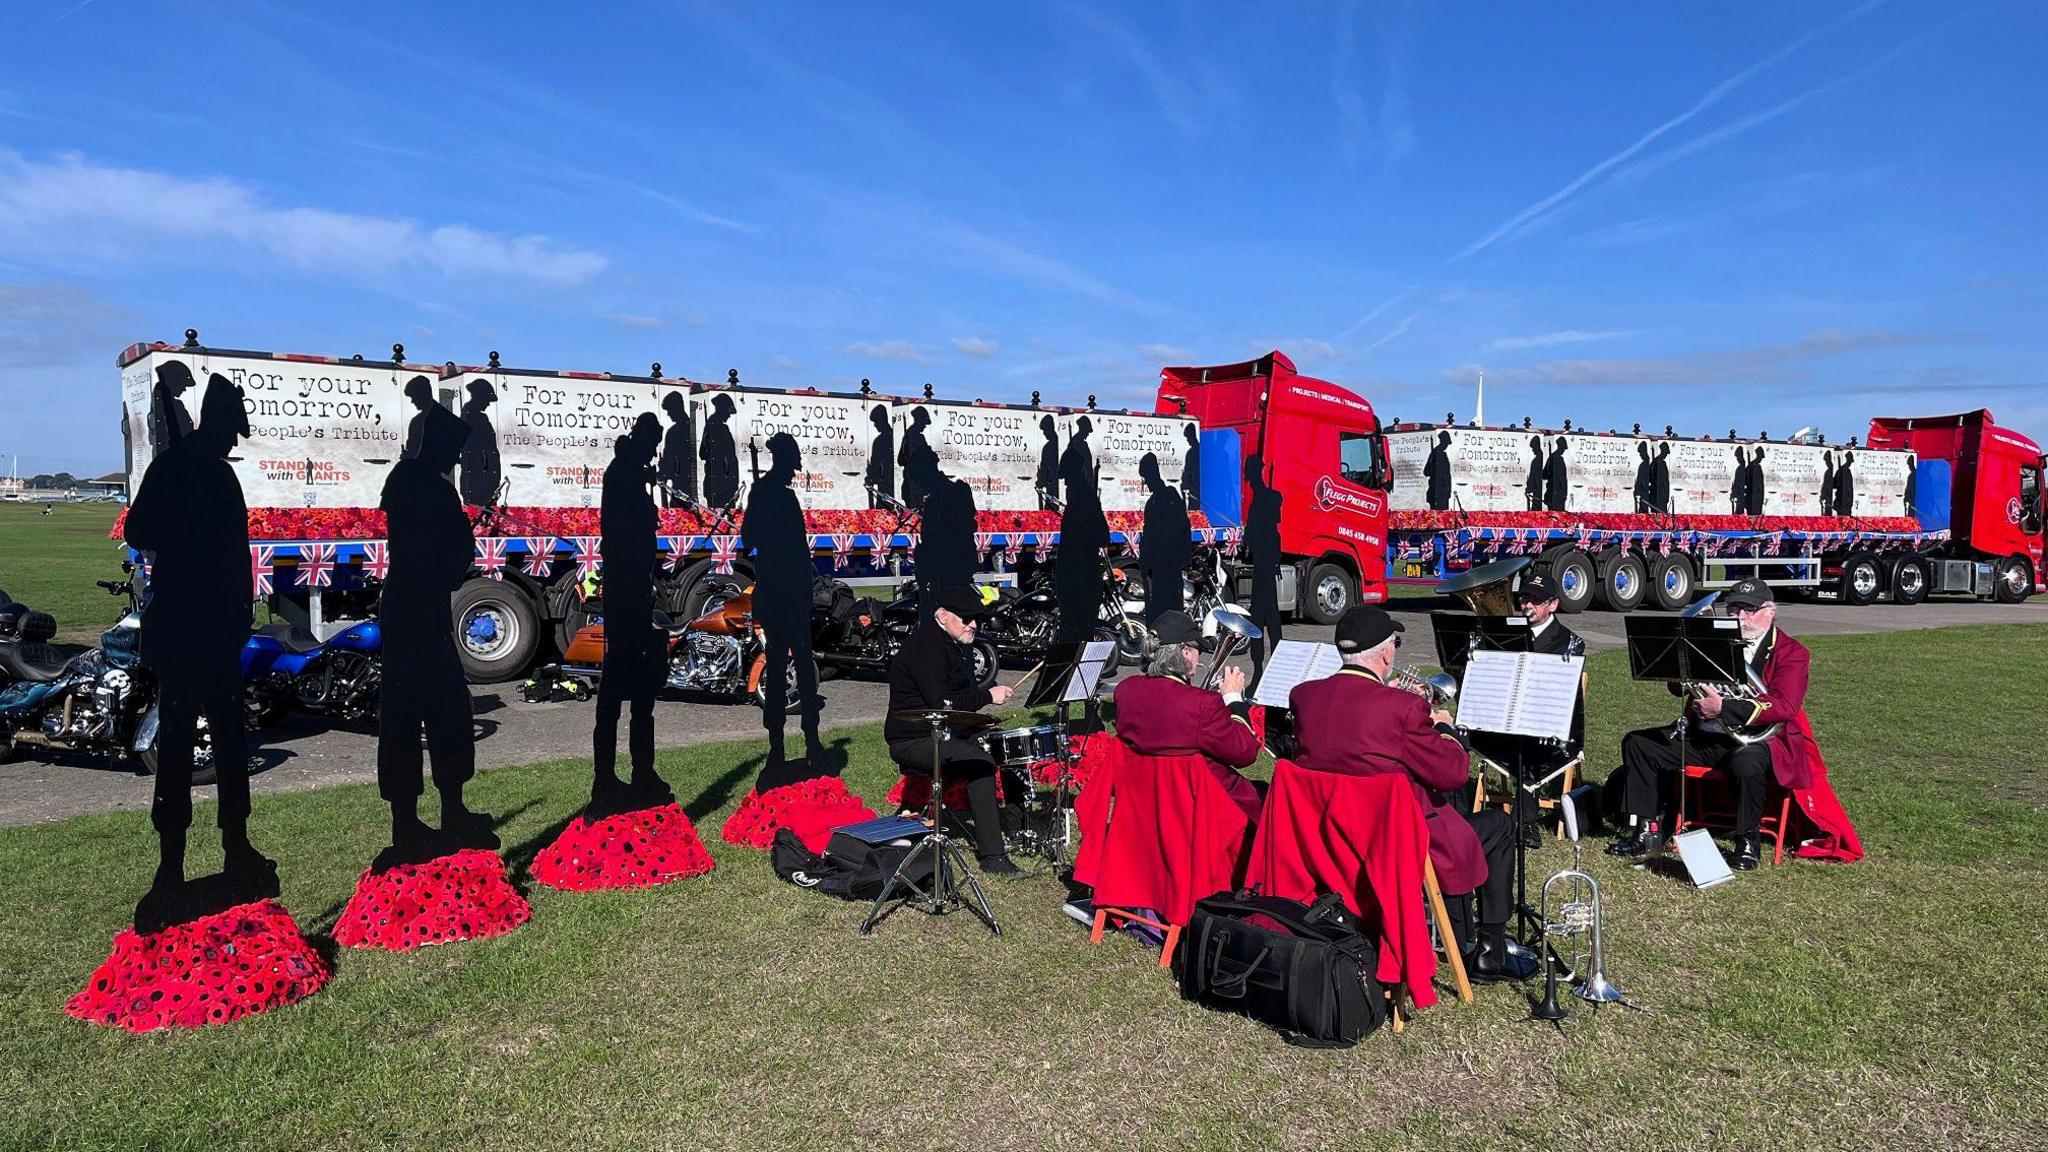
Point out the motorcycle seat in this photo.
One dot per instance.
(291, 638)
(20, 623)
(34, 663)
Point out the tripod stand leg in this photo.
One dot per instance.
(900, 878)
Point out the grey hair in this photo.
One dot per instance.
(1166, 659)
(1361, 659)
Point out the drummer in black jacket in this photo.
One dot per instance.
(932, 672)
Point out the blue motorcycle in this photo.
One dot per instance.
(285, 668)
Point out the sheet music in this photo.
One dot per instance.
(1294, 662)
(1087, 674)
(1520, 693)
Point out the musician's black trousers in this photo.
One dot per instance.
(960, 760)
(177, 734)
(1650, 765)
(1496, 831)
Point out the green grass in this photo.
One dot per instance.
(1894, 1003)
(50, 563)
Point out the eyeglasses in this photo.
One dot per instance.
(1397, 641)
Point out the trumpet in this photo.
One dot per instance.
(1440, 689)
(1578, 913)
(1234, 633)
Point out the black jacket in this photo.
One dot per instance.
(931, 671)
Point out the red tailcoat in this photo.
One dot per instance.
(1785, 663)
(1162, 716)
(1351, 723)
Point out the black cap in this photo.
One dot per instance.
(1176, 627)
(962, 602)
(1537, 588)
(1750, 593)
(1364, 628)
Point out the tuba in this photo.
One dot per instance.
(1577, 913)
(1489, 589)
(1234, 633)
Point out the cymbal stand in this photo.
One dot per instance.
(950, 873)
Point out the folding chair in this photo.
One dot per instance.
(1696, 811)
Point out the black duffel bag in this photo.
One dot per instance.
(1306, 971)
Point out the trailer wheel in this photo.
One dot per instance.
(1671, 582)
(496, 630)
(1623, 582)
(1862, 579)
(1910, 580)
(1331, 593)
(1573, 571)
(2014, 580)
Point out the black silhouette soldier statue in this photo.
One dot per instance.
(480, 467)
(1532, 488)
(1738, 484)
(1048, 479)
(424, 687)
(1845, 485)
(168, 420)
(635, 654)
(721, 455)
(1262, 540)
(420, 391)
(1084, 534)
(912, 447)
(946, 556)
(1753, 482)
(1660, 480)
(1437, 471)
(1165, 549)
(1556, 480)
(1644, 469)
(188, 512)
(1191, 469)
(774, 532)
(1912, 485)
(881, 474)
(678, 468)
(1827, 485)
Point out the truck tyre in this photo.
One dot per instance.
(1623, 581)
(1671, 582)
(1862, 579)
(2014, 580)
(1573, 571)
(496, 630)
(1331, 593)
(1911, 579)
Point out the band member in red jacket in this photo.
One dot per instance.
(1163, 714)
(1650, 758)
(1353, 722)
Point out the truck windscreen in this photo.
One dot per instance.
(1359, 454)
(2030, 499)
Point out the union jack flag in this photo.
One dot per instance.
(540, 555)
(724, 550)
(1013, 547)
(842, 548)
(376, 560)
(678, 552)
(262, 568)
(982, 542)
(1664, 543)
(588, 562)
(316, 565)
(490, 556)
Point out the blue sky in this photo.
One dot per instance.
(1758, 215)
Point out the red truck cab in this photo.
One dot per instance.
(1983, 484)
(1320, 449)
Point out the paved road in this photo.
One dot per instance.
(511, 731)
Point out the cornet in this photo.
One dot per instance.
(1440, 689)
(1577, 914)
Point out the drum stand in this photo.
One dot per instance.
(949, 864)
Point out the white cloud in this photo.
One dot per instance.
(974, 346)
(785, 363)
(1751, 365)
(1548, 340)
(71, 209)
(629, 320)
(900, 351)
(1168, 353)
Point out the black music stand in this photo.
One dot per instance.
(949, 863)
(1459, 634)
(1684, 649)
(1056, 675)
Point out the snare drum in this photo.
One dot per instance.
(1019, 748)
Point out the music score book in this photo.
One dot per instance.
(1294, 662)
(1520, 694)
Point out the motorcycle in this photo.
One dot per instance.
(1024, 621)
(284, 667)
(723, 651)
(855, 634)
(102, 702)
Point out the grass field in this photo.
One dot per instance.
(50, 563)
(1897, 1002)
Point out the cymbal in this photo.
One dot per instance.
(950, 717)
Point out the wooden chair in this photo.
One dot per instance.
(1122, 916)
(1440, 917)
(1696, 810)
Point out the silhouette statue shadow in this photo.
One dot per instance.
(678, 469)
(720, 454)
(1048, 479)
(189, 513)
(635, 654)
(1084, 534)
(1191, 469)
(1166, 548)
(945, 557)
(774, 533)
(881, 471)
(481, 470)
(913, 448)
(1262, 540)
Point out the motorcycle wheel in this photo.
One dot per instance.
(791, 701)
(1130, 642)
(204, 771)
(984, 663)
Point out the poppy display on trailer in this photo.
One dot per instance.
(461, 896)
(630, 850)
(810, 808)
(218, 968)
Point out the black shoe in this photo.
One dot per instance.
(999, 866)
(1532, 837)
(1489, 963)
(1642, 842)
(1748, 850)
